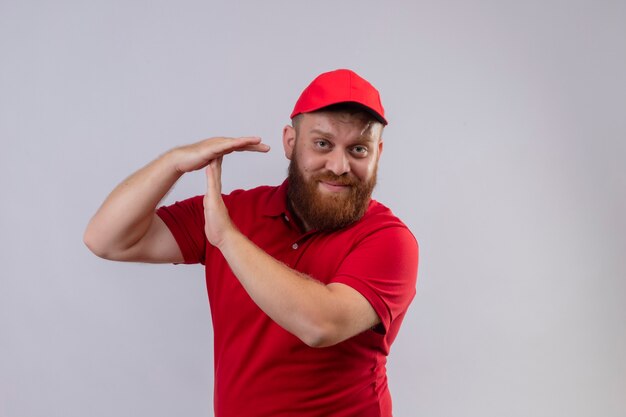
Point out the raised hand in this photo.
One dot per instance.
(198, 155)
(217, 222)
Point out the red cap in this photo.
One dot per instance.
(340, 86)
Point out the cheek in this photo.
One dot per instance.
(364, 170)
(310, 163)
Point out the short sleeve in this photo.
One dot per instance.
(185, 219)
(383, 268)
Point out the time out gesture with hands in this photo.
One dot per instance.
(196, 156)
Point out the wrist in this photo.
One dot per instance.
(171, 160)
(231, 238)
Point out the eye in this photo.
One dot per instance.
(322, 144)
(360, 150)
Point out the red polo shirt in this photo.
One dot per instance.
(260, 368)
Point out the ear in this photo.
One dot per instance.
(380, 149)
(289, 140)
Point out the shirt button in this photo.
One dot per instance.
(294, 246)
(286, 218)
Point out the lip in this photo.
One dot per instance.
(332, 187)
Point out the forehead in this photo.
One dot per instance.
(333, 124)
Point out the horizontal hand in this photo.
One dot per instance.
(198, 155)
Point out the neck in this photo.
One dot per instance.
(297, 217)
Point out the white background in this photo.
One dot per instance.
(504, 155)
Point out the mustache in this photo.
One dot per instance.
(335, 179)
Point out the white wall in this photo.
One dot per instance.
(505, 155)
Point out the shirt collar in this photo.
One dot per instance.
(277, 202)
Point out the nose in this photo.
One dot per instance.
(337, 162)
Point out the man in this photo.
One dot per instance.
(309, 281)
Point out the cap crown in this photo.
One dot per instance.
(340, 86)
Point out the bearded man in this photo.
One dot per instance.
(309, 281)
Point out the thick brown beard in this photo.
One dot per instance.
(327, 212)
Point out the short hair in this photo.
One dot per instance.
(347, 108)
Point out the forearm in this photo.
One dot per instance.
(126, 214)
(301, 305)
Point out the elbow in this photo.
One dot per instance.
(319, 343)
(92, 244)
(95, 244)
(320, 336)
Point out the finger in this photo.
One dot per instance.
(244, 146)
(261, 147)
(217, 172)
(223, 146)
(213, 204)
(212, 183)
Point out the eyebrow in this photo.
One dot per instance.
(360, 139)
(321, 133)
